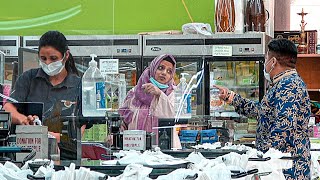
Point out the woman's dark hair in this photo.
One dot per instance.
(169, 60)
(58, 41)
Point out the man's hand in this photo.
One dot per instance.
(224, 92)
(149, 88)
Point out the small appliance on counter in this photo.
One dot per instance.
(114, 121)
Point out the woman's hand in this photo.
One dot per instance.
(149, 88)
(56, 135)
(26, 120)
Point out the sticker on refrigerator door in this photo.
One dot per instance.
(100, 95)
(221, 50)
(109, 66)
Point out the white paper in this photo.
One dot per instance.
(218, 50)
(109, 66)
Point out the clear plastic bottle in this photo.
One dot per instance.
(115, 91)
(215, 102)
(93, 96)
(179, 95)
(108, 92)
(164, 141)
(122, 89)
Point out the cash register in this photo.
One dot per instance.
(5, 129)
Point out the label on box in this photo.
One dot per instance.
(101, 97)
(35, 137)
(134, 139)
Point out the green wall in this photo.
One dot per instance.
(72, 17)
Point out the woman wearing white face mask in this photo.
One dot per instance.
(283, 114)
(56, 83)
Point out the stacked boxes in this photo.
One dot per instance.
(208, 136)
(97, 133)
(188, 138)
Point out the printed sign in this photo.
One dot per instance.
(135, 140)
(221, 50)
(109, 66)
(35, 137)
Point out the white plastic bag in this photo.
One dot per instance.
(197, 28)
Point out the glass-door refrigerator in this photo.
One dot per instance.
(188, 51)
(236, 62)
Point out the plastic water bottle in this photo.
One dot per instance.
(115, 91)
(179, 95)
(164, 141)
(122, 89)
(93, 95)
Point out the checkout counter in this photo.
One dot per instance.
(72, 149)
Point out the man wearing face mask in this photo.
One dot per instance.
(283, 114)
(56, 83)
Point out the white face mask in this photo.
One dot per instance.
(53, 68)
(267, 74)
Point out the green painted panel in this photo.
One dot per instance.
(34, 17)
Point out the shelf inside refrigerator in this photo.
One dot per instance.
(224, 114)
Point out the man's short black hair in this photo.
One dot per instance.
(285, 51)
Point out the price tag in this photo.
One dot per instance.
(109, 66)
(221, 50)
(312, 121)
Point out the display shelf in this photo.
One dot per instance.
(313, 90)
(239, 87)
(308, 55)
(308, 69)
(243, 87)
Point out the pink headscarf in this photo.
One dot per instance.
(141, 100)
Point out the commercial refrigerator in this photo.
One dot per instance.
(188, 51)
(236, 61)
(125, 48)
(9, 46)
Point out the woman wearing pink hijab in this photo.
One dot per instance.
(152, 97)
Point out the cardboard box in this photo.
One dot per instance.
(35, 137)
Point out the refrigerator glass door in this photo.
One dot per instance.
(129, 66)
(189, 65)
(241, 77)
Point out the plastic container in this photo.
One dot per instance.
(179, 95)
(215, 102)
(208, 136)
(164, 141)
(93, 87)
(122, 89)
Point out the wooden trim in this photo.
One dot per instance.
(314, 90)
(308, 55)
